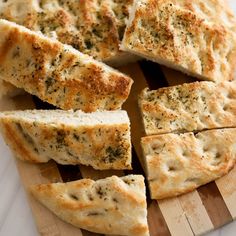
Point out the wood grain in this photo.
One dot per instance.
(175, 217)
(196, 213)
(227, 188)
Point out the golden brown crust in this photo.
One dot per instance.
(100, 145)
(58, 74)
(179, 163)
(108, 206)
(93, 27)
(186, 35)
(189, 107)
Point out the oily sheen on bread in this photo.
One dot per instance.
(179, 163)
(99, 139)
(108, 206)
(57, 73)
(189, 107)
(196, 37)
(92, 27)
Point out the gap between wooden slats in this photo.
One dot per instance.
(214, 212)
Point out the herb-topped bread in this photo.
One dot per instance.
(108, 206)
(179, 163)
(57, 73)
(196, 37)
(99, 139)
(92, 27)
(189, 107)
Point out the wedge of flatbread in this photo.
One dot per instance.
(93, 27)
(108, 206)
(179, 163)
(99, 139)
(189, 107)
(196, 37)
(57, 73)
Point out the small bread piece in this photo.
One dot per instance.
(92, 27)
(57, 73)
(189, 107)
(99, 139)
(196, 37)
(179, 163)
(108, 206)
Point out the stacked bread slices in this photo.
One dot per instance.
(93, 27)
(61, 75)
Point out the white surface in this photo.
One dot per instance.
(15, 216)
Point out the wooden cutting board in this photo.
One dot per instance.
(195, 213)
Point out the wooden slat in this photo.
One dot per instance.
(131, 106)
(196, 213)
(214, 204)
(175, 217)
(227, 188)
(156, 221)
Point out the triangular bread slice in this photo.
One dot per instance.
(108, 206)
(196, 37)
(99, 139)
(189, 107)
(179, 163)
(57, 73)
(93, 27)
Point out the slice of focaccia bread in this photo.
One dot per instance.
(99, 139)
(196, 37)
(179, 163)
(57, 73)
(93, 27)
(108, 206)
(189, 107)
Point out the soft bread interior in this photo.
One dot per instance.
(71, 118)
